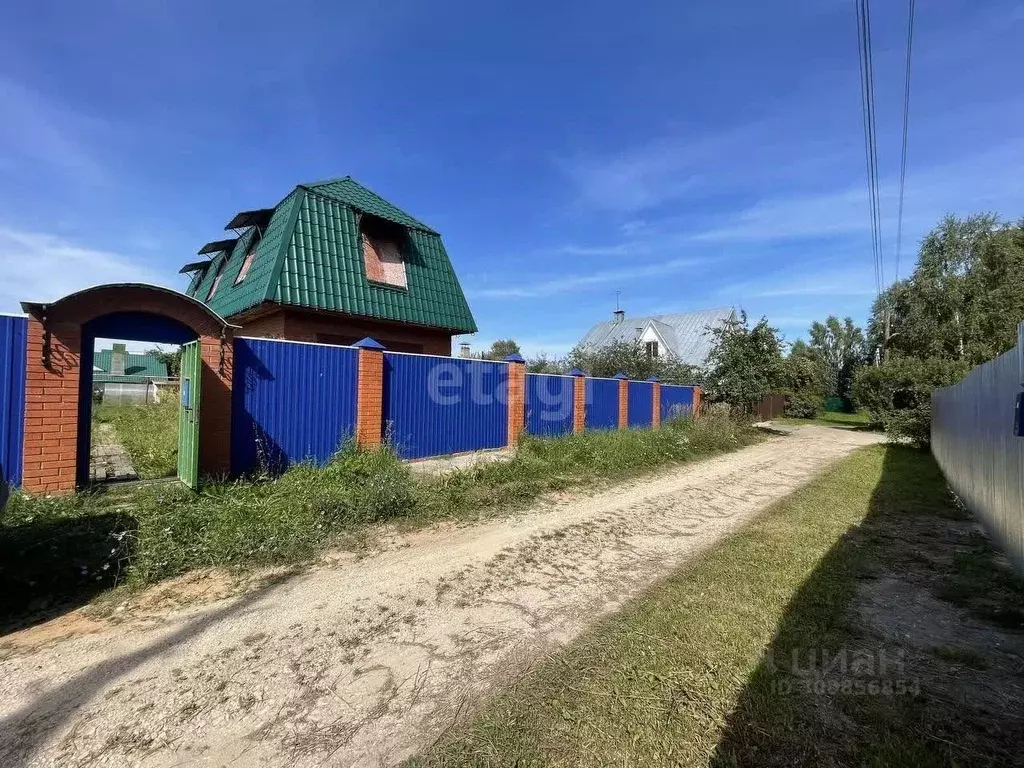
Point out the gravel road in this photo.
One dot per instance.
(364, 662)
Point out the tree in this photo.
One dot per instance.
(171, 359)
(544, 364)
(839, 346)
(632, 359)
(804, 382)
(898, 393)
(745, 363)
(501, 349)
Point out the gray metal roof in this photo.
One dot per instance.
(685, 334)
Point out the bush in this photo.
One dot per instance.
(803, 405)
(898, 394)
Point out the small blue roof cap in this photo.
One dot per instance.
(368, 343)
(515, 357)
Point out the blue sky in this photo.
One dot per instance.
(689, 155)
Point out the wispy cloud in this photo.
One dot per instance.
(808, 282)
(38, 266)
(567, 283)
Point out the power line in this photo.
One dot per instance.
(903, 156)
(867, 80)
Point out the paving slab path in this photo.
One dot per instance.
(366, 661)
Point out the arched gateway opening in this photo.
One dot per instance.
(59, 373)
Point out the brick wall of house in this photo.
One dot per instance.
(275, 322)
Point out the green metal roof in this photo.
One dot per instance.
(311, 255)
(142, 367)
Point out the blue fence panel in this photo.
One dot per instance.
(291, 402)
(434, 406)
(549, 404)
(602, 404)
(676, 401)
(641, 403)
(13, 332)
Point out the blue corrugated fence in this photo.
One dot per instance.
(13, 332)
(291, 402)
(549, 404)
(602, 404)
(641, 403)
(676, 401)
(435, 406)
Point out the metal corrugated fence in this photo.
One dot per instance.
(675, 401)
(549, 404)
(602, 404)
(13, 332)
(435, 406)
(291, 402)
(641, 403)
(973, 441)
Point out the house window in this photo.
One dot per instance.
(652, 349)
(382, 253)
(246, 265)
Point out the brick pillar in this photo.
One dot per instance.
(696, 401)
(370, 393)
(579, 400)
(623, 400)
(516, 397)
(217, 361)
(51, 408)
(655, 402)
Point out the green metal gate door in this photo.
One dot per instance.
(188, 415)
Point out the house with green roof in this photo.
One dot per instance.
(334, 262)
(123, 377)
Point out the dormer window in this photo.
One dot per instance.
(246, 264)
(216, 280)
(383, 245)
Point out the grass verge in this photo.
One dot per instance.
(53, 551)
(148, 432)
(722, 663)
(860, 420)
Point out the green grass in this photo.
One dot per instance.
(148, 432)
(72, 547)
(859, 420)
(695, 672)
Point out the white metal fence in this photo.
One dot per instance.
(973, 441)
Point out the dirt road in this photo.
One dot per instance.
(365, 662)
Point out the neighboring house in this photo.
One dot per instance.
(332, 263)
(120, 376)
(683, 336)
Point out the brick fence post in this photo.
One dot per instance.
(51, 407)
(623, 400)
(696, 402)
(579, 400)
(516, 397)
(655, 401)
(369, 393)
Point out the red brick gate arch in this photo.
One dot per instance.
(57, 388)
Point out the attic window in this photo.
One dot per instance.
(246, 265)
(652, 349)
(216, 280)
(382, 251)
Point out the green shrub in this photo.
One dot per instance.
(898, 394)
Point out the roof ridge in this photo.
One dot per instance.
(315, 188)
